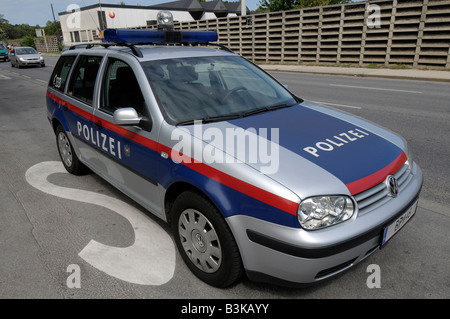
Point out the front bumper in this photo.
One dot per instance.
(31, 62)
(293, 256)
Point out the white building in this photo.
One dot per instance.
(86, 24)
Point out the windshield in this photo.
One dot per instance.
(22, 51)
(213, 88)
(2, 47)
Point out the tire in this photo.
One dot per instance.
(204, 240)
(67, 154)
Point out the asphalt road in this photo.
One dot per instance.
(42, 235)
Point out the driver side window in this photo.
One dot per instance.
(120, 88)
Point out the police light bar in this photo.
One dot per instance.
(158, 36)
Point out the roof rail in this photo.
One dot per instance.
(86, 45)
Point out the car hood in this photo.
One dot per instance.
(309, 149)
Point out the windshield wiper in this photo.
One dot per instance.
(267, 109)
(233, 116)
(210, 119)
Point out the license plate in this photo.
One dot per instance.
(398, 224)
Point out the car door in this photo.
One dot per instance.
(127, 154)
(78, 106)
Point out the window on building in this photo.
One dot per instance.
(76, 36)
(102, 20)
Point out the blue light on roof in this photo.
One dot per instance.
(159, 36)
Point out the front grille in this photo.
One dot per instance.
(378, 195)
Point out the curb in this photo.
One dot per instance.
(409, 74)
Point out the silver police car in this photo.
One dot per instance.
(252, 178)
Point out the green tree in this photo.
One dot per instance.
(18, 31)
(3, 20)
(52, 28)
(281, 5)
(28, 41)
(3, 23)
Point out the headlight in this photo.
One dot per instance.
(41, 58)
(323, 211)
(22, 59)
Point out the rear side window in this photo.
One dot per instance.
(82, 82)
(61, 72)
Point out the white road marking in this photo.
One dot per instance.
(340, 105)
(149, 261)
(4, 77)
(372, 88)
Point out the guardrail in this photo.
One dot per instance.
(414, 33)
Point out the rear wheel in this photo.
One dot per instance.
(204, 240)
(67, 154)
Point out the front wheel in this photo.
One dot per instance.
(67, 154)
(204, 240)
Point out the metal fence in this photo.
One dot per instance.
(415, 33)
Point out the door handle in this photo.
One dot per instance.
(98, 125)
(64, 106)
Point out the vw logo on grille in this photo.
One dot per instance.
(392, 186)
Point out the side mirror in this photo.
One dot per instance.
(126, 116)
